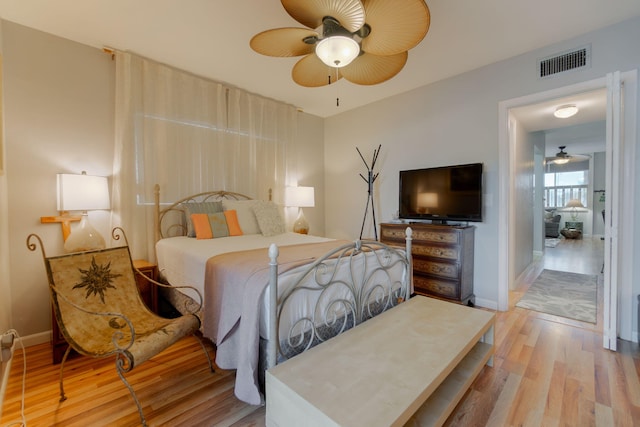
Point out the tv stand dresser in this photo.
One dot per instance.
(442, 258)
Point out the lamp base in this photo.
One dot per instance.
(84, 237)
(301, 225)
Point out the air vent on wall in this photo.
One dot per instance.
(567, 61)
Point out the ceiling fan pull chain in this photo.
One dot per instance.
(337, 91)
(329, 84)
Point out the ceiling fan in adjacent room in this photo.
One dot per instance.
(366, 42)
(562, 157)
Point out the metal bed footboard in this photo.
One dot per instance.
(379, 277)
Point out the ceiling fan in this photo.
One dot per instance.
(366, 42)
(562, 157)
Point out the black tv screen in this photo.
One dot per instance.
(441, 194)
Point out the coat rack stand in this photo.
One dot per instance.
(370, 179)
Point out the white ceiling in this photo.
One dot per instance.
(581, 134)
(211, 38)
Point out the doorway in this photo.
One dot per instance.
(622, 250)
(568, 165)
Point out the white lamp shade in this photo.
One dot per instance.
(337, 51)
(82, 192)
(574, 203)
(301, 197)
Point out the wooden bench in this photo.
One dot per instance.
(408, 366)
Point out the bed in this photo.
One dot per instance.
(270, 294)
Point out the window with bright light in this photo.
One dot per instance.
(560, 187)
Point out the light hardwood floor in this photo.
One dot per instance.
(548, 371)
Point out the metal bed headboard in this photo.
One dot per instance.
(171, 220)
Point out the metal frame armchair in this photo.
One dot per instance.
(99, 310)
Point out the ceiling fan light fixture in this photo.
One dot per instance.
(337, 51)
(561, 161)
(566, 111)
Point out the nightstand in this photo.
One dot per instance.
(148, 291)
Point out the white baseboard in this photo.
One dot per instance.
(486, 303)
(35, 339)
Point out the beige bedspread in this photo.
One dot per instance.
(234, 285)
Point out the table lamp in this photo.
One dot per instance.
(83, 193)
(300, 197)
(574, 204)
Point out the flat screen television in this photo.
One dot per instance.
(442, 194)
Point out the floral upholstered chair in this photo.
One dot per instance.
(101, 314)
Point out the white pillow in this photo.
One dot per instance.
(246, 215)
(269, 219)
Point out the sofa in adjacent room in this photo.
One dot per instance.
(552, 226)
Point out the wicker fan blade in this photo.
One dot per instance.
(310, 71)
(283, 42)
(370, 69)
(350, 13)
(395, 26)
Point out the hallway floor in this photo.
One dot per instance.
(583, 256)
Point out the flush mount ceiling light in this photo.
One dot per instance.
(366, 42)
(566, 111)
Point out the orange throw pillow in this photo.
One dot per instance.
(201, 226)
(232, 223)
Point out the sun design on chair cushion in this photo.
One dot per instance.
(97, 279)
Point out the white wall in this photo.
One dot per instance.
(311, 167)
(538, 196)
(5, 289)
(523, 202)
(59, 117)
(454, 121)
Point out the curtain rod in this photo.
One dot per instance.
(111, 51)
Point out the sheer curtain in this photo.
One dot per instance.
(191, 135)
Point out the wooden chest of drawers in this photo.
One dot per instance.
(442, 259)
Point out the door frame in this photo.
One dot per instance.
(624, 262)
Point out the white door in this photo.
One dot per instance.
(612, 211)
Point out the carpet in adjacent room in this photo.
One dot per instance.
(560, 293)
